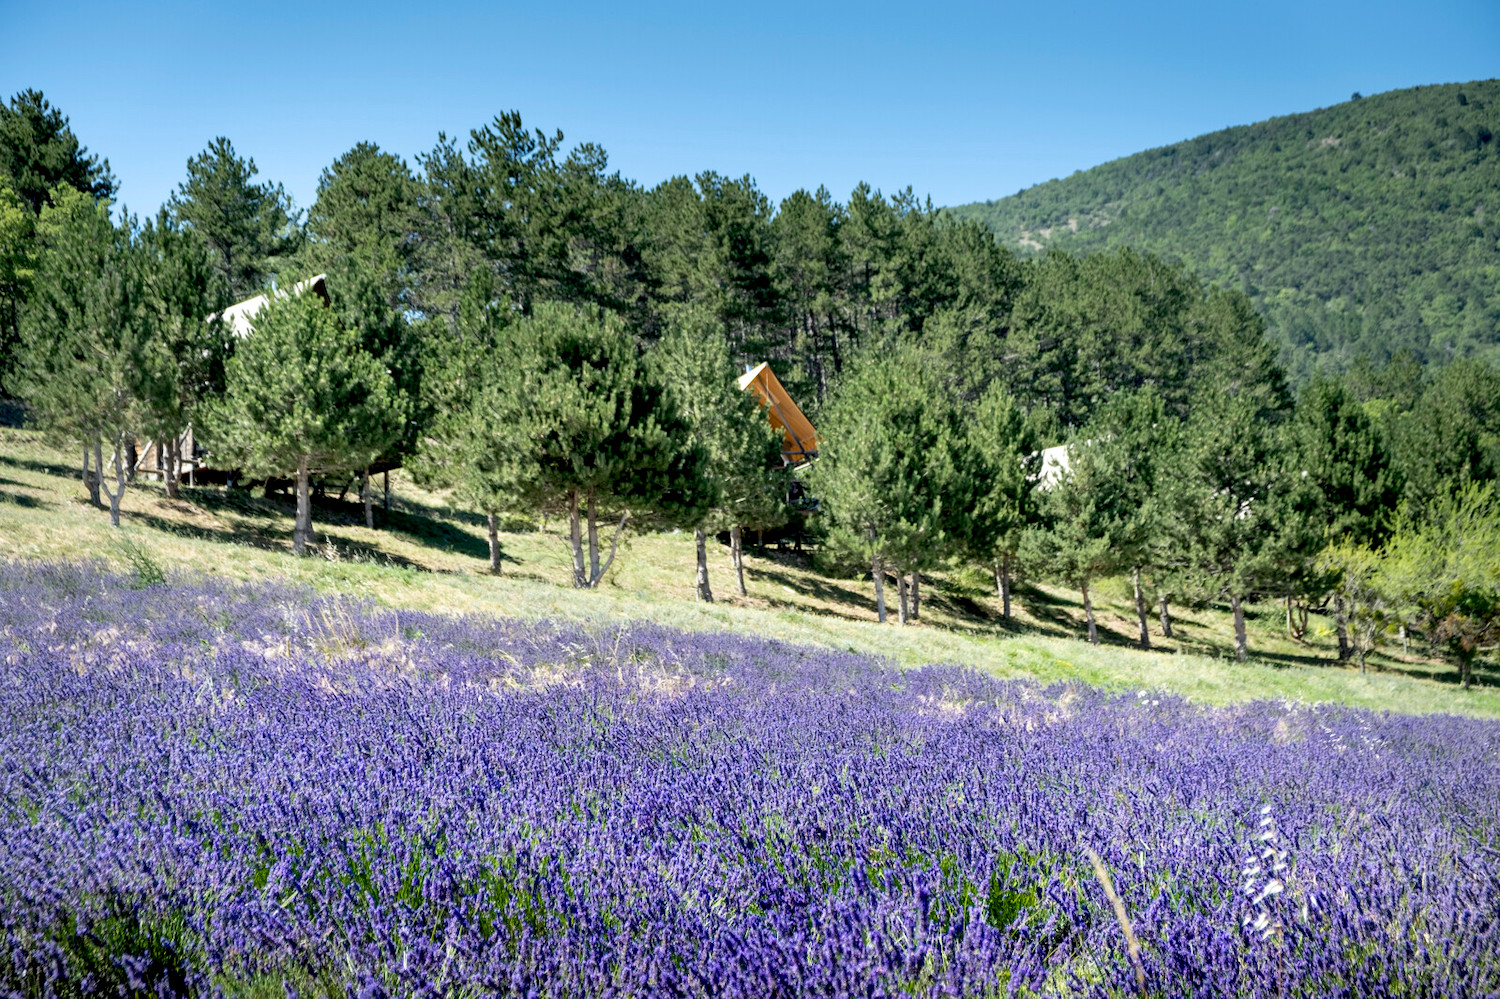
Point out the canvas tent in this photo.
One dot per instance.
(239, 318)
(801, 440)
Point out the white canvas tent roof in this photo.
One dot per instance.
(240, 316)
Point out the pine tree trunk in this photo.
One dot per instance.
(1241, 645)
(1341, 625)
(172, 464)
(367, 496)
(575, 533)
(903, 611)
(614, 541)
(1005, 586)
(1466, 670)
(132, 459)
(91, 476)
(877, 573)
(916, 596)
(1140, 609)
(704, 592)
(1088, 610)
(387, 480)
(114, 498)
(494, 526)
(737, 557)
(302, 532)
(593, 542)
(98, 473)
(1166, 618)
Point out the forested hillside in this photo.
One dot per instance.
(1361, 230)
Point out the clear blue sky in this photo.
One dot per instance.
(961, 101)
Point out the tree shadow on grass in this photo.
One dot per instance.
(22, 500)
(835, 595)
(424, 526)
(43, 467)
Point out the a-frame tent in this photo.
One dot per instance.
(801, 443)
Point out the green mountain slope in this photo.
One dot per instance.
(1364, 229)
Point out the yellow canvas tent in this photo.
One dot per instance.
(801, 439)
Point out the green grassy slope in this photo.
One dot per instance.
(1366, 228)
(428, 556)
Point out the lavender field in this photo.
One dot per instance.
(207, 789)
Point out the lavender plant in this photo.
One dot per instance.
(209, 789)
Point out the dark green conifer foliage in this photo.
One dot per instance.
(39, 152)
(1005, 458)
(1242, 515)
(1072, 542)
(183, 366)
(598, 434)
(303, 398)
(1451, 438)
(1130, 452)
(39, 157)
(472, 439)
(249, 227)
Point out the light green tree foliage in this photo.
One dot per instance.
(892, 472)
(302, 397)
(1364, 608)
(471, 440)
(249, 227)
(1005, 458)
(83, 346)
(596, 431)
(183, 365)
(1443, 574)
(745, 482)
(18, 252)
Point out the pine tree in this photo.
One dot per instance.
(83, 338)
(1004, 449)
(1130, 451)
(248, 226)
(472, 441)
(39, 153)
(1072, 542)
(183, 367)
(302, 397)
(891, 470)
(745, 482)
(597, 432)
